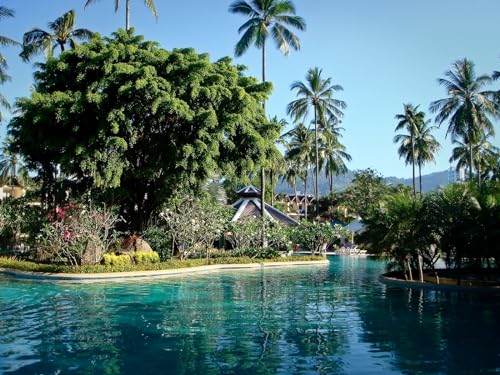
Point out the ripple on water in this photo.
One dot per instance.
(310, 320)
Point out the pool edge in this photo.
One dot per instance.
(148, 275)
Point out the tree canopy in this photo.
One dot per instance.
(138, 123)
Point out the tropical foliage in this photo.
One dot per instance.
(62, 32)
(316, 93)
(468, 108)
(459, 222)
(5, 41)
(137, 125)
(149, 3)
(267, 17)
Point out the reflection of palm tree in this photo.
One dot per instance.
(466, 107)
(301, 149)
(264, 17)
(410, 121)
(318, 93)
(62, 32)
(4, 41)
(149, 3)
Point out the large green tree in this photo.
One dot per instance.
(267, 17)
(138, 124)
(467, 106)
(318, 93)
(149, 3)
(5, 41)
(62, 32)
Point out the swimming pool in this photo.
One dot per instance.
(336, 319)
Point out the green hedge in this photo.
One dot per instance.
(170, 264)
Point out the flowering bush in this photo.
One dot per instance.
(317, 238)
(194, 225)
(79, 235)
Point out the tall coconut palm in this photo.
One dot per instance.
(318, 93)
(4, 42)
(149, 3)
(426, 146)
(467, 107)
(62, 32)
(11, 167)
(267, 17)
(333, 155)
(300, 151)
(484, 154)
(410, 120)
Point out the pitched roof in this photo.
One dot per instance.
(250, 206)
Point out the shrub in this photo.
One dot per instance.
(316, 238)
(79, 236)
(113, 260)
(146, 257)
(194, 224)
(160, 240)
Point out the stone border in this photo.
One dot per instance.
(392, 281)
(148, 275)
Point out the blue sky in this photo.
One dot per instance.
(384, 53)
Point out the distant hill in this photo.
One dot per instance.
(430, 182)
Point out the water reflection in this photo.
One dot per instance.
(336, 320)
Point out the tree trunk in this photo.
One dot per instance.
(127, 15)
(316, 191)
(478, 174)
(470, 156)
(296, 199)
(420, 177)
(413, 164)
(263, 171)
(331, 183)
(305, 196)
(271, 176)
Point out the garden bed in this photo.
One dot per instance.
(47, 272)
(479, 280)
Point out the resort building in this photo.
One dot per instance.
(249, 205)
(296, 204)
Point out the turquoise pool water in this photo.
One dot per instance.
(311, 320)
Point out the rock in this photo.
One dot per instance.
(141, 245)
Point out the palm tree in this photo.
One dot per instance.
(318, 93)
(290, 175)
(149, 3)
(467, 107)
(426, 146)
(267, 17)
(410, 121)
(11, 168)
(300, 152)
(484, 153)
(4, 42)
(62, 32)
(333, 155)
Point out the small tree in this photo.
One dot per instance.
(194, 224)
(79, 236)
(317, 238)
